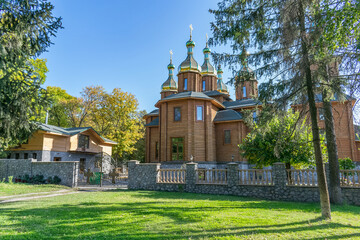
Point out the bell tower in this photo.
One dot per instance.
(247, 85)
(208, 72)
(189, 76)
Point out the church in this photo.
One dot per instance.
(196, 120)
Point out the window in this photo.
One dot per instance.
(82, 165)
(227, 136)
(57, 159)
(177, 152)
(203, 85)
(17, 155)
(26, 155)
(156, 150)
(244, 92)
(34, 155)
(321, 114)
(83, 141)
(254, 116)
(9, 156)
(185, 84)
(177, 114)
(199, 113)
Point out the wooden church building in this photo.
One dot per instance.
(196, 120)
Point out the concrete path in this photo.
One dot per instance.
(25, 197)
(35, 193)
(31, 196)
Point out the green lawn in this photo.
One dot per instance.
(161, 215)
(7, 189)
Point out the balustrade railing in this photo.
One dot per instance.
(171, 176)
(301, 177)
(350, 178)
(255, 177)
(211, 176)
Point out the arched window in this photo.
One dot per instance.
(203, 85)
(244, 91)
(185, 84)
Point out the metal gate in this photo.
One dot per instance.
(105, 173)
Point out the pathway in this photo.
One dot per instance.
(30, 196)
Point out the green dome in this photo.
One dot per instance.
(189, 64)
(207, 68)
(190, 43)
(221, 86)
(170, 84)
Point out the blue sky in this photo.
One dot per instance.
(125, 44)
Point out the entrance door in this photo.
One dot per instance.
(177, 149)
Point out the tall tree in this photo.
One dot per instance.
(26, 27)
(281, 33)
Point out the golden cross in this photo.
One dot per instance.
(191, 29)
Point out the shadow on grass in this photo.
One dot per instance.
(246, 202)
(176, 216)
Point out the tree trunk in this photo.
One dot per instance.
(324, 194)
(334, 181)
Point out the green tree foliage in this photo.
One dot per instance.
(113, 115)
(282, 138)
(60, 102)
(26, 27)
(346, 164)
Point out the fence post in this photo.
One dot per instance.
(132, 176)
(190, 176)
(279, 175)
(232, 174)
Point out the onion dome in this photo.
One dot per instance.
(170, 84)
(221, 86)
(207, 68)
(189, 64)
(246, 73)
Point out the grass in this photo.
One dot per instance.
(163, 215)
(7, 189)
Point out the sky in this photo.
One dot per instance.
(125, 44)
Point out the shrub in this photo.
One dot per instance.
(10, 179)
(346, 164)
(56, 180)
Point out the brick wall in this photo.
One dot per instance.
(144, 176)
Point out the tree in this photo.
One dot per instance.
(60, 101)
(284, 137)
(281, 33)
(25, 31)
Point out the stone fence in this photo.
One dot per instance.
(67, 171)
(272, 185)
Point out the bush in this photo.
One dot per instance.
(56, 180)
(38, 179)
(346, 164)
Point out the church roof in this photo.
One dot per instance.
(216, 93)
(190, 94)
(154, 112)
(153, 123)
(242, 103)
(227, 115)
(318, 98)
(189, 64)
